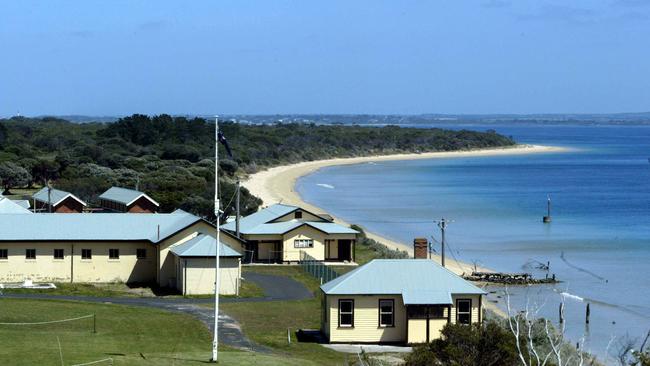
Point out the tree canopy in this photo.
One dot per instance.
(172, 158)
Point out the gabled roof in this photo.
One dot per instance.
(279, 228)
(419, 281)
(8, 206)
(56, 196)
(263, 222)
(93, 227)
(260, 217)
(203, 246)
(23, 203)
(125, 196)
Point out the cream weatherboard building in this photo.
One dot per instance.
(397, 301)
(114, 247)
(283, 233)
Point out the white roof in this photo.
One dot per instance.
(8, 206)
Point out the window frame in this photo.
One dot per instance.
(4, 254)
(114, 254)
(55, 257)
(86, 257)
(392, 313)
(28, 251)
(351, 313)
(309, 241)
(468, 313)
(141, 250)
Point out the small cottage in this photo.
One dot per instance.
(403, 301)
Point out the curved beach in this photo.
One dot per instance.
(277, 185)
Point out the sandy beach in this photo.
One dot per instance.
(277, 185)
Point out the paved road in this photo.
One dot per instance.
(276, 288)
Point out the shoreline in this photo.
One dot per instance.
(277, 184)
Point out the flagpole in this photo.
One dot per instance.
(215, 342)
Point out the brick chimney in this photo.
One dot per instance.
(420, 248)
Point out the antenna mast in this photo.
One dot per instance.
(215, 342)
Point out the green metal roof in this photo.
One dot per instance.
(420, 281)
(203, 246)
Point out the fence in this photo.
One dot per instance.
(316, 268)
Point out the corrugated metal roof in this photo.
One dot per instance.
(260, 217)
(331, 228)
(401, 276)
(260, 223)
(23, 203)
(8, 206)
(419, 297)
(203, 246)
(124, 195)
(80, 226)
(56, 196)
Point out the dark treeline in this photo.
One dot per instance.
(172, 158)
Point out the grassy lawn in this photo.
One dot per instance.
(128, 335)
(267, 322)
(248, 289)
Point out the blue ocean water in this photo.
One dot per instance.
(598, 243)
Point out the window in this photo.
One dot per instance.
(346, 313)
(113, 254)
(58, 253)
(86, 254)
(386, 313)
(4, 254)
(30, 253)
(463, 311)
(426, 311)
(141, 253)
(298, 215)
(303, 243)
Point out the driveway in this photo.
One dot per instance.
(276, 288)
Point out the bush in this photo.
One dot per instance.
(487, 344)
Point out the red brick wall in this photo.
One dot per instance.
(420, 248)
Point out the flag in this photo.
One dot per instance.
(223, 141)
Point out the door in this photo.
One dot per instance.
(345, 252)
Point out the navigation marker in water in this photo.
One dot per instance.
(547, 219)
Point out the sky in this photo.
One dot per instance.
(104, 58)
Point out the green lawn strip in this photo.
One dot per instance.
(121, 331)
(266, 323)
(128, 335)
(248, 289)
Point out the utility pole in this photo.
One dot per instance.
(442, 224)
(215, 342)
(49, 197)
(237, 209)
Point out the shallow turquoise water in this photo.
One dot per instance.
(598, 243)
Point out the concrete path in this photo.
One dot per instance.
(276, 288)
(368, 348)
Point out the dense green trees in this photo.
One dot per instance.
(171, 158)
(13, 175)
